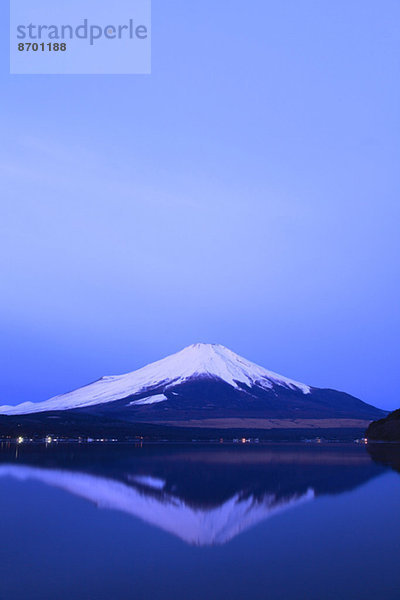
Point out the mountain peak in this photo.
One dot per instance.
(217, 361)
(204, 383)
(204, 360)
(201, 344)
(205, 347)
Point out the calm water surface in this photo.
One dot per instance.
(271, 522)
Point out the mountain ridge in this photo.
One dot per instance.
(194, 361)
(201, 383)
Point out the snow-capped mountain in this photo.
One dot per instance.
(211, 361)
(203, 381)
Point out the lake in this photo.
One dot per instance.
(114, 521)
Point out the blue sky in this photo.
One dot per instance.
(246, 193)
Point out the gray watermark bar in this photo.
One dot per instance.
(80, 37)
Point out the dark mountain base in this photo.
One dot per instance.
(75, 426)
(387, 429)
(214, 399)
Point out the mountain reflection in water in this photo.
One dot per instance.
(203, 495)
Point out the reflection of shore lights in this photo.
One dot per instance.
(20, 440)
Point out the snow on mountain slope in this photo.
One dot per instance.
(194, 525)
(196, 361)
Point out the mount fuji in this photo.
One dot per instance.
(203, 385)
